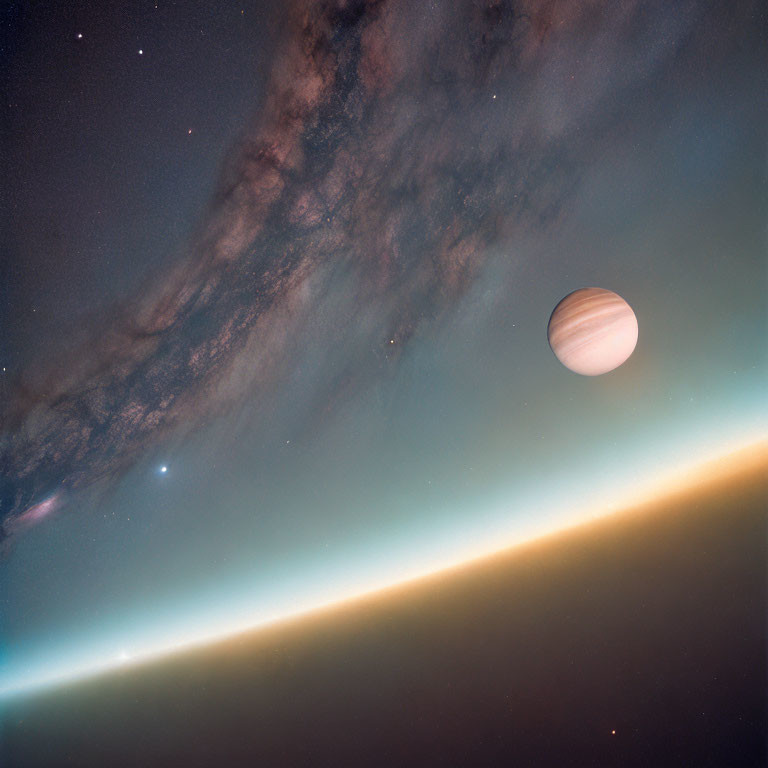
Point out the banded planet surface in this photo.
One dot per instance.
(592, 331)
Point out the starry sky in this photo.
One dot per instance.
(275, 280)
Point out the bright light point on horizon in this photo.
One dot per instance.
(163, 469)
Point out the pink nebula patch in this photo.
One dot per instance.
(39, 511)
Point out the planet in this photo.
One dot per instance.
(592, 331)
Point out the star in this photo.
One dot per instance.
(163, 469)
(141, 52)
(79, 35)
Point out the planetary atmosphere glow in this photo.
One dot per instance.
(152, 642)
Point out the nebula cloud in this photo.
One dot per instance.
(383, 159)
